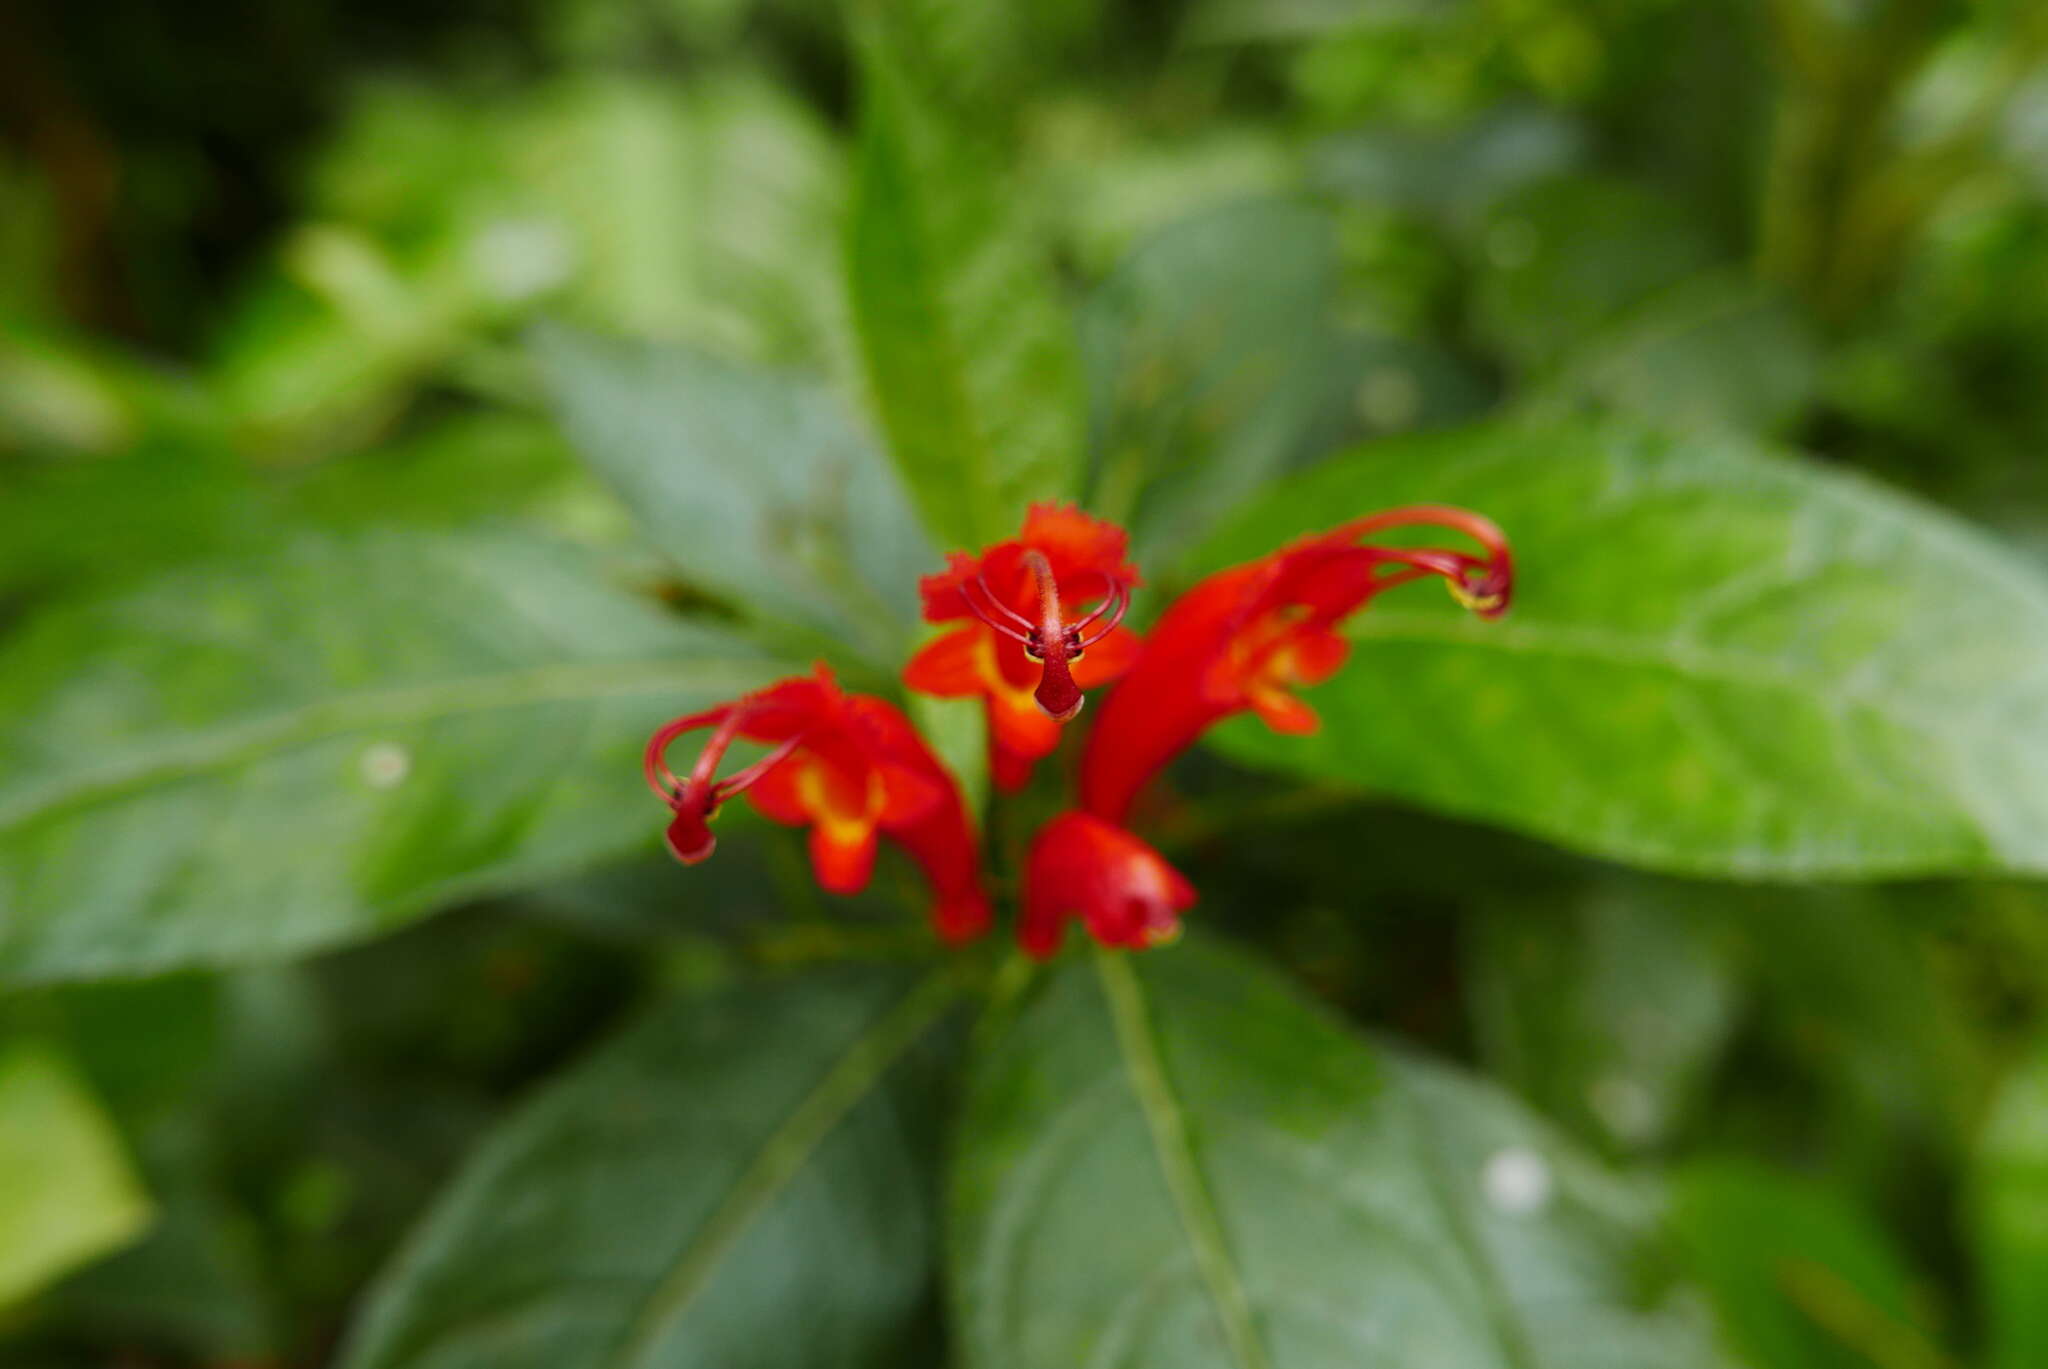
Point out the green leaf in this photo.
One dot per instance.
(1607, 1012)
(67, 1194)
(2009, 1212)
(1717, 662)
(957, 731)
(970, 355)
(1170, 1160)
(756, 485)
(1802, 1277)
(743, 1180)
(1450, 175)
(1210, 356)
(251, 759)
(1714, 353)
(1564, 259)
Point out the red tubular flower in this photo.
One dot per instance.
(848, 766)
(1246, 637)
(1120, 888)
(1020, 653)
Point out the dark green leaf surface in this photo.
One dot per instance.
(970, 356)
(742, 1181)
(1169, 1160)
(1210, 354)
(2010, 1200)
(756, 485)
(1717, 661)
(1608, 1011)
(1712, 354)
(248, 760)
(1562, 260)
(1802, 1278)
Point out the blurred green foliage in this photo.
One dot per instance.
(405, 407)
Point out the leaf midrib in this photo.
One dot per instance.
(781, 1157)
(152, 764)
(1167, 1126)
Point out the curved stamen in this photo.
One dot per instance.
(1480, 584)
(740, 780)
(729, 719)
(1020, 632)
(654, 763)
(696, 800)
(1113, 593)
(1122, 598)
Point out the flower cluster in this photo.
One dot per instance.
(1038, 621)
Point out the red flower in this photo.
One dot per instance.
(1020, 653)
(848, 766)
(1247, 637)
(851, 768)
(1122, 889)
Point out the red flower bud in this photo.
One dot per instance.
(1120, 888)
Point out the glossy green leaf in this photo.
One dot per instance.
(251, 759)
(1801, 1277)
(970, 355)
(1717, 662)
(81, 524)
(67, 1194)
(1210, 355)
(743, 1180)
(1171, 1160)
(2009, 1201)
(757, 486)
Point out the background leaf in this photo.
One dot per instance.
(67, 1194)
(1171, 1160)
(1212, 357)
(1607, 1008)
(1802, 1278)
(743, 1180)
(757, 486)
(1710, 354)
(1717, 662)
(248, 760)
(970, 356)
(2010, 1200)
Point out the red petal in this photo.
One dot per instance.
(1080, 866)
(943, 599)
(1283, 712)
(1075, 542)
(909, 793)
(1017, 724)
(1011, 770)
(1108, 659)
(843, 855)
(779, 795)
(951, 667)
(962, 917)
